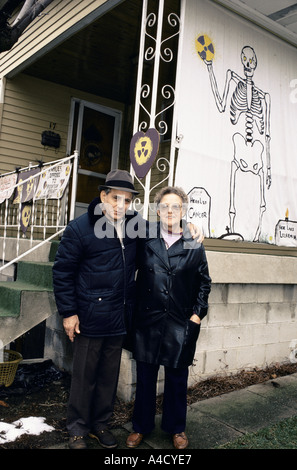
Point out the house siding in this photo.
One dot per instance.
(30, 106)
(60, 20)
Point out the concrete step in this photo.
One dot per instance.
(10, 296)
(29, 300)
(41, 253)
(36, 274)
(34, 307)
(5, 313)
(10, 299)
(32, 277)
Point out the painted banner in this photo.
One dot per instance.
(7, 186)
(53, 182)
(237, 116)
(25, 192)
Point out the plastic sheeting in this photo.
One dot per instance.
(32, 377)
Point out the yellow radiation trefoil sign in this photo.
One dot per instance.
(143, 151)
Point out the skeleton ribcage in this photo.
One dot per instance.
(239, 105)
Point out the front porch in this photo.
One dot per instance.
(92, 66)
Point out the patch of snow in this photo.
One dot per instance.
(31, 425)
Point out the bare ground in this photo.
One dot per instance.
(47, 397)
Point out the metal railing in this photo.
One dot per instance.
(46, 216)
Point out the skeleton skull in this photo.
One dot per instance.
(249, 61)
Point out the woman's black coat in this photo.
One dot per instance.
(171, 285)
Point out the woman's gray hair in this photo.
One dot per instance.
(171, 190)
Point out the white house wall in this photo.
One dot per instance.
(248, 205)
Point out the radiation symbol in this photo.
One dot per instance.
(25, 216)
(143, 151)
(204, 47)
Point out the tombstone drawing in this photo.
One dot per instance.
(198, 212)
(286, 232)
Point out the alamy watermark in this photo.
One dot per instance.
(136, 226)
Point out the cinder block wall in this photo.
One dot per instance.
(247, 326)
(252, 321)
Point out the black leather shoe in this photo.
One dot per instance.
(105, 438)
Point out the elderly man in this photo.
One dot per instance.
(94, 283)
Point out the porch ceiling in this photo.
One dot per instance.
(101, 58)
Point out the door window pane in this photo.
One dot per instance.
(96, 141)
(87, 188)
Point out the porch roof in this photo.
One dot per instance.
(96, 48)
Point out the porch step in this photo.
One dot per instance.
(35, 274)
(34, 306)
(29, 300)
(31, 277)
(10, 296)
(6, 313)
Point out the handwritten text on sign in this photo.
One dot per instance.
(286, 233)
(199, 209)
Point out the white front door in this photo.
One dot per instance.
(95, 133)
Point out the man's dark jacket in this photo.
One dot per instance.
(94, 274)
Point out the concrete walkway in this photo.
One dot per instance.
(219, 420)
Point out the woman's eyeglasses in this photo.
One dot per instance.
(169, 207)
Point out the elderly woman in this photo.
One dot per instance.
(173, 285)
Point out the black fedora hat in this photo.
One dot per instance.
(119, 179)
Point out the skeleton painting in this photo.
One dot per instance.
(251, 105)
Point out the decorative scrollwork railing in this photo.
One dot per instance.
(155, 50)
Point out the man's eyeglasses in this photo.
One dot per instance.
(169, 207)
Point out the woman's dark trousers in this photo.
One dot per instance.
(174, 400)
